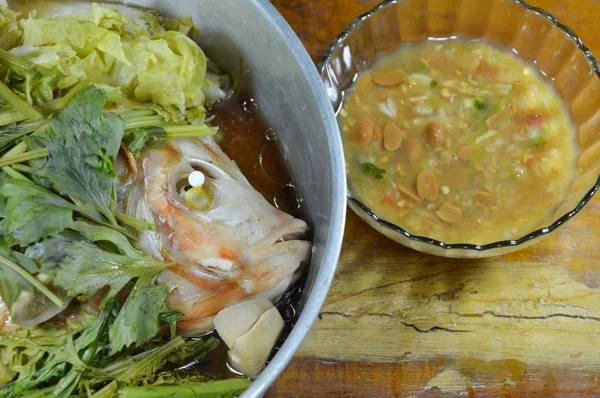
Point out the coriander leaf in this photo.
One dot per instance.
(538, 140)
(33, 213)
(373, 170)
(139, 320)
(479, 105)
(87, 268)
(138, 140)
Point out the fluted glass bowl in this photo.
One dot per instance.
(533, 33)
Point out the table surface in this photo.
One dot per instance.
(401, 323)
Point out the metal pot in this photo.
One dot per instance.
(285, 83)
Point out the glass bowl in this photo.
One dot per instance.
(535, 35)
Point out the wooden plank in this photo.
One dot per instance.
(400, 323)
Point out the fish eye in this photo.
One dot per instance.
(198, 198)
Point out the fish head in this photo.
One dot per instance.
(237, 247)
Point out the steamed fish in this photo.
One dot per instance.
(232, 246)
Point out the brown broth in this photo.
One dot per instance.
(245, 137)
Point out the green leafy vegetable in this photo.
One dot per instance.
(139, 319)
(479, 105)
(183, 24)
(12, 132)
(100, 47)
(28, 299)
(51, 251)
(433, 83)
(373, 170)
(18, 103)
(210, 389)
(10, 32)
(80, 355)
(31, 82)
(150, 134)
(11, 117)
(83, 144)
(33, 213)
(145, 138)
(23, 157)
(88, 268)
(63, 241)
(101, 234)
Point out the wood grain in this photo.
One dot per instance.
(401, 323)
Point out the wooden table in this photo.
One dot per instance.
(401, 323)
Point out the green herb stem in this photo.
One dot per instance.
(11, 117)
(10, 60)
(156, 357)
(145, 121)
(9, 135)
(134, 222)
(190, 130)
(20, 104)
(18, 149)
(110, 217)
(210, 389)
(21, 168)
(38, 153)
(116, 368)
(33, 281)
(59, 103)
(113, 96)
(137, 113)
(108, 391)
(86, 215)
(14, 173)
(41, 393)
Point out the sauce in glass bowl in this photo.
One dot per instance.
(458, 141)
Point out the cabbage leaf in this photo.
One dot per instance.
(152, 64)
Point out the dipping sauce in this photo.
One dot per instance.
(458, 141)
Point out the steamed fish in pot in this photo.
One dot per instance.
(231, 246)
(127, 272)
